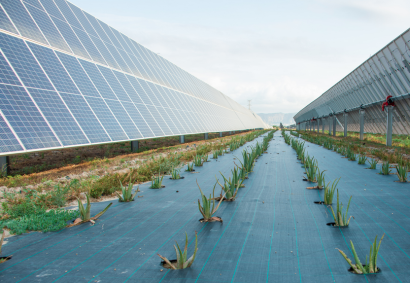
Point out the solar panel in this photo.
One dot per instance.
(69, 79)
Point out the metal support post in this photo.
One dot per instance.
(323, 125)
(205, 136)
(361, 114)
(345, 126)
(134, 146)
(4, 166)
(330, 125)
(318, 125)
(220, 134)
(389, 132)
(181, 139)
(334, 125)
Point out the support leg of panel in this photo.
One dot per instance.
(389, 133)
(134, 146)
(330, 126)
(205, 136)
(334, 126)
(220, 134)
(361, 114)
(345, 125)
(323, 126)
(181, 139)
(4, 166)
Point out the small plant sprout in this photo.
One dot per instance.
(205, 158)
(320, 176)
(311, 171)
(372, 163)
(85, 215)
(340, 218)
(215, 155)
(156, 182)
(182, 261)
(230, 188)
(402, 172)
(206, 210)
(175, 174)
(330, 191)
(220, 152)
(198, 160)
(362, 159)
(371, 261)
(190, 167)
(127, 192)
(385, 170)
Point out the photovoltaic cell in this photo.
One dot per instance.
(155, 96)
(34, 3)
(138, 119)
(71, 38)
(18, 54)
(58, 116)
(104, 52)
(8, 142)
(126, 84)
(172, 122)
(123, 118)
(48, 28)
(98, 80)
(85, 117)
(118, 58)
(7, 75)
(106, 118)
(150, 119)
(80, 16)
(22, 20)
(94, 23)
(160, 120)
(26, 120)
(142, 97)
(89, 46)
(78, 75)
(136, 98)
(52, 9)
(68, 14)
(5, 22)
(115, 85)
(53, 68)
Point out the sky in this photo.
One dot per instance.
(281, 55)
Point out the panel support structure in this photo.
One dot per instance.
(181, 139)
(4, 166)
(389, 132)
(134, 146)
(345, 125)
(318, 125)
(330, 125)
(323, 125)
(334, 125)
(220, 134)
(361, 115)
(205, 136)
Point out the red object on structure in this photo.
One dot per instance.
(388, 102)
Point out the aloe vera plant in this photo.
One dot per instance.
(190, 167)
(127, 194)
(230, 187)
(372, 163)
(311, 171)
(215, 155)
(156, 182)
(402, 172)
(206, 209)
(362, 159)
(371, 261)
(182, 260)
(340, 217)
(205, 158)
(1, 245)
(330, 191)
(198, 160)
(175, 174)
(385, 170)
(220, 152)
(85, 213)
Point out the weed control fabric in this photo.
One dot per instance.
(272, 232)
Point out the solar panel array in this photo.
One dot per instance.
(69, 79)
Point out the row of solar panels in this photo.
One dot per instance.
(383, 74)
(64, 26)
(50, 98)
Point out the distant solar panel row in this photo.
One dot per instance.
(68, 79)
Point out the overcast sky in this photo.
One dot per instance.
(280, 54)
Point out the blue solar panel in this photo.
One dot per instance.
(85, 117)
(71, 38)
(23, 62)
(5, 22)
(7, 75)
(78, 75)
(26, 120)
(123, 118)
(57, 114)
(19, 15)
(74, 80)
(138, 120)
(53, 68)
(106, 118)
(98, 80)
(48, 28)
